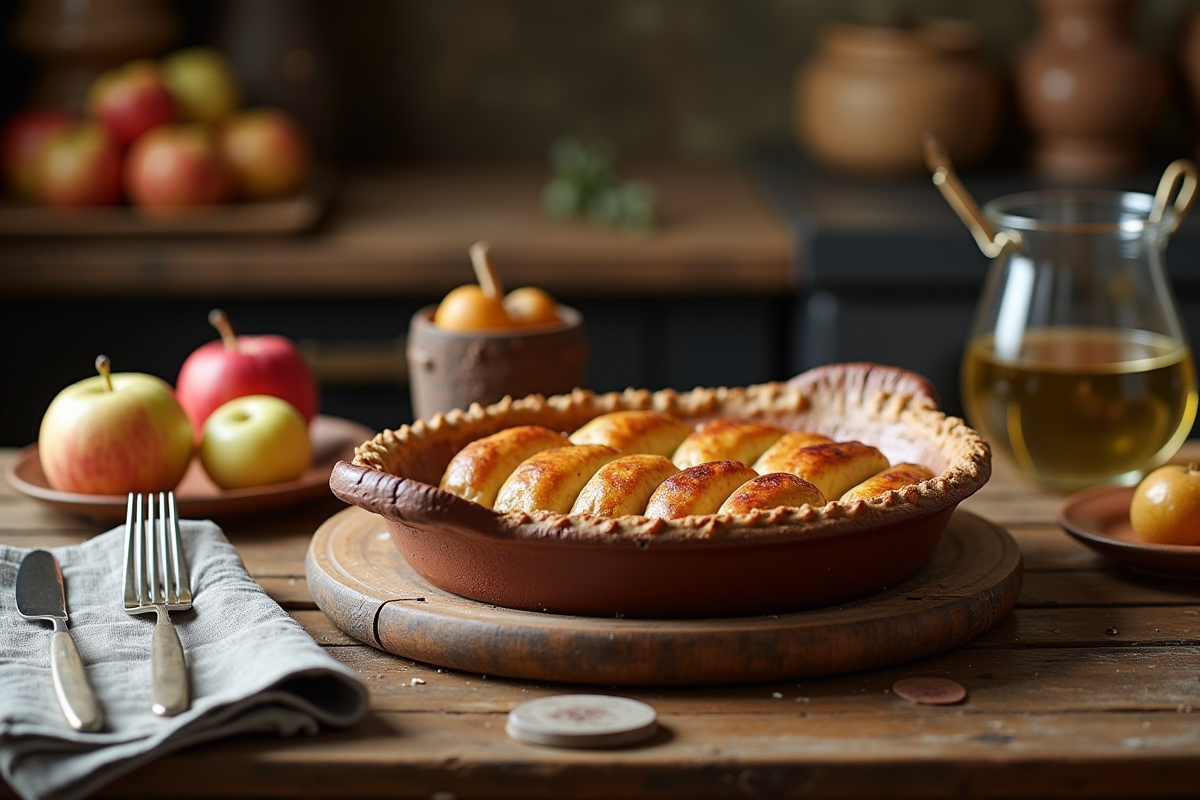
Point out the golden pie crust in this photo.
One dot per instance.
(396, 473)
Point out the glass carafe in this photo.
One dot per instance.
(1077, 367)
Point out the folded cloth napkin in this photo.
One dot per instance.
(253, 669)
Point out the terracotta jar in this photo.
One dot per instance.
(74, 42)
(871, 92)
(1086, 90)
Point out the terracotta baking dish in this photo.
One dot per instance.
(785, 559)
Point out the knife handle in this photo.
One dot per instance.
(168, 668)
(71, 684)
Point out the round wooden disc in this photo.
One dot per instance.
(364, 585)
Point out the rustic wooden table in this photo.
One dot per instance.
(1090, 687)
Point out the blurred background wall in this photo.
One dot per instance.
(690, 79)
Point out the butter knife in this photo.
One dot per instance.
(40, 596)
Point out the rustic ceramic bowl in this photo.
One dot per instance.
(784, 559)
(453, 369)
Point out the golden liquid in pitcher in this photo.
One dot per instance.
(1083, 406)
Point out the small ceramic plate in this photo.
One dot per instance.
(1099, 518)
(197, 496)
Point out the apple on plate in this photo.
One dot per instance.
(130, 100)
(236, 366)
(267, 152)
(115, 433)
(254, 441)
(80, 165)
(21, 144)
(202, 83)
(176, 165)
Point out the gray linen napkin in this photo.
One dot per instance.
(253, 669)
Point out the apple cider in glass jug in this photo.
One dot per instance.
(1077, 367)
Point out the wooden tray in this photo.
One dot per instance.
(360, 580)
(274, 217)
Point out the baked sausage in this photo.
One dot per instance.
(551, 480)
(479, 470)
(772, 490)
(698, 490)
(892, 478)
(726, 440)
(833, 467)
(623, 486)
(793, 440)
(635, 431)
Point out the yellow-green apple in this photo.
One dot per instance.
(80, 165)
(130, 100)
(253, 441)
(25, 136)
(202, 83)
(236, 366)
(267, 152)
(176, 165)
(115, 433)
(1165, 508)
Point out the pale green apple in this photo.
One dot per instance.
(114, 434)
(201, 81)
(255, 440)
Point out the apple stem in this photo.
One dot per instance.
(104, 367)
(485, 272)
(1193, 467)
(218, 319)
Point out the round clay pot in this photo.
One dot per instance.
(1086, 90)
(863, 104)
(453, 369)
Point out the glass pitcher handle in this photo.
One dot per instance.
(992, 243)
(1182, 173)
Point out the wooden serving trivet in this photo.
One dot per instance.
(362, 583)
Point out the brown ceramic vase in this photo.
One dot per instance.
(1086, 91)
(453, 369)
(863, 103)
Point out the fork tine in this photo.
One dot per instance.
(139, 552)
(152, 562)
(182, 582)
(131, 597)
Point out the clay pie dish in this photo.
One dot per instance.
(785, 558)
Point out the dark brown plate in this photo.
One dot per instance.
(1099, 519)
(198, 497)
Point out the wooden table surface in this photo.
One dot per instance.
(1090, 687)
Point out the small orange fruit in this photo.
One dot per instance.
(467, 308)
(531, 306)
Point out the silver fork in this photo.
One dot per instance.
(156, 580)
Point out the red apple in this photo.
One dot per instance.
(114, 434)
(202, 83)
(176, 165)
(25, 136)
(236, 366)
(79, 166)
(130, 100)
(267, 152)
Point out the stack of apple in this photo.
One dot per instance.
(242, 403)
(165, 135)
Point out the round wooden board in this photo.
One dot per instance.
(364, 585)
